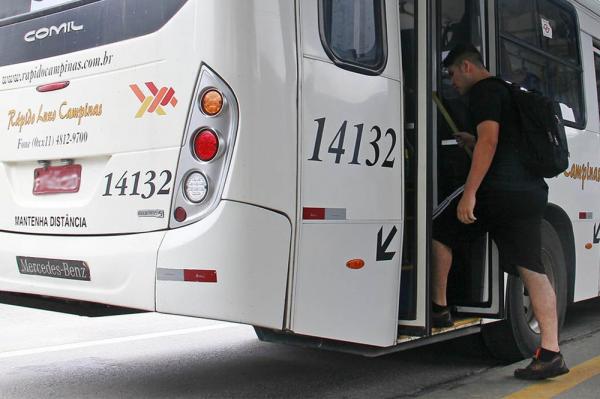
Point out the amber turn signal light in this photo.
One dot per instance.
(355, 264)
(211, 102)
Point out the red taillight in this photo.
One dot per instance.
(180, 214)
(206, 145)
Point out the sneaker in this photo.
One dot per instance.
(540, 370)
(442, 319)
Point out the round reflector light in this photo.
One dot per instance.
(206, 145)
(180, 214)
(211, 102)
(196, 187)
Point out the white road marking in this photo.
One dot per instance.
(131, 338)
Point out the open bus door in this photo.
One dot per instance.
(347, 270)
(476, 282)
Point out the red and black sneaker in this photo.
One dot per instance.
(540, 370)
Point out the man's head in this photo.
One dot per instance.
(465, 67)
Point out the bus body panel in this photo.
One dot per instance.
(254, 52)
(122, 122)
(334, 301)
(252, 46)
(351, 194)
(577, 189)
(121, 268)
(577, 196)
(247, 272)
(91, 211)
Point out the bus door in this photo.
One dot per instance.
(475, 283)
(348, 254)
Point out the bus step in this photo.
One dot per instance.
(459, 323)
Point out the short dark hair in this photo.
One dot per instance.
(463, 52)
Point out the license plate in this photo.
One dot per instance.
(56, 179)
(56, 268)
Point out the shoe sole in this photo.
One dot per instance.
(542, 376)
(445, 325)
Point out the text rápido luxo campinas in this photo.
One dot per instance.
(18, 120)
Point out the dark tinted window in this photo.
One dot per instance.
(103, 22)
(559, 31)
(10, 8)
(353, 34)
(597, 67)
(543, 54)
(460, 22)
(517, 19)
(523, 66)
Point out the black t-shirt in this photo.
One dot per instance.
(489, 100)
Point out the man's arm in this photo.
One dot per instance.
(483, 154)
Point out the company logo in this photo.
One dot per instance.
(53, 30)
(156, 101)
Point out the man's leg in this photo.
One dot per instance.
(543, 300)
(442, 261)
(548, 362)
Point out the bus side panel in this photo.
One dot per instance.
(256, 55)
(577, 190)
(335, 301)
(240, 255)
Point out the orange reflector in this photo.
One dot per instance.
(211, 102)
(355, 264)
(589, 245)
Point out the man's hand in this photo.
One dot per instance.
(465, 139)
(464, 211)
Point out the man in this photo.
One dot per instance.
(500, 197)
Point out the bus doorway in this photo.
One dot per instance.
(475, 283)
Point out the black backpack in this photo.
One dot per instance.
(542, 144)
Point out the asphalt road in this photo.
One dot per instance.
(47, 354)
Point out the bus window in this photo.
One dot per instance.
(517, 19)
(597, 68)
(353, 34)
(552, 65)
(559, 31)
(37, 5)
(11, 8)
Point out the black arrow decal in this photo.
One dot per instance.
(596, 232)
(382, 247)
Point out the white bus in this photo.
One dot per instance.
(277, 162)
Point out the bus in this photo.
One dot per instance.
(277, 163)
